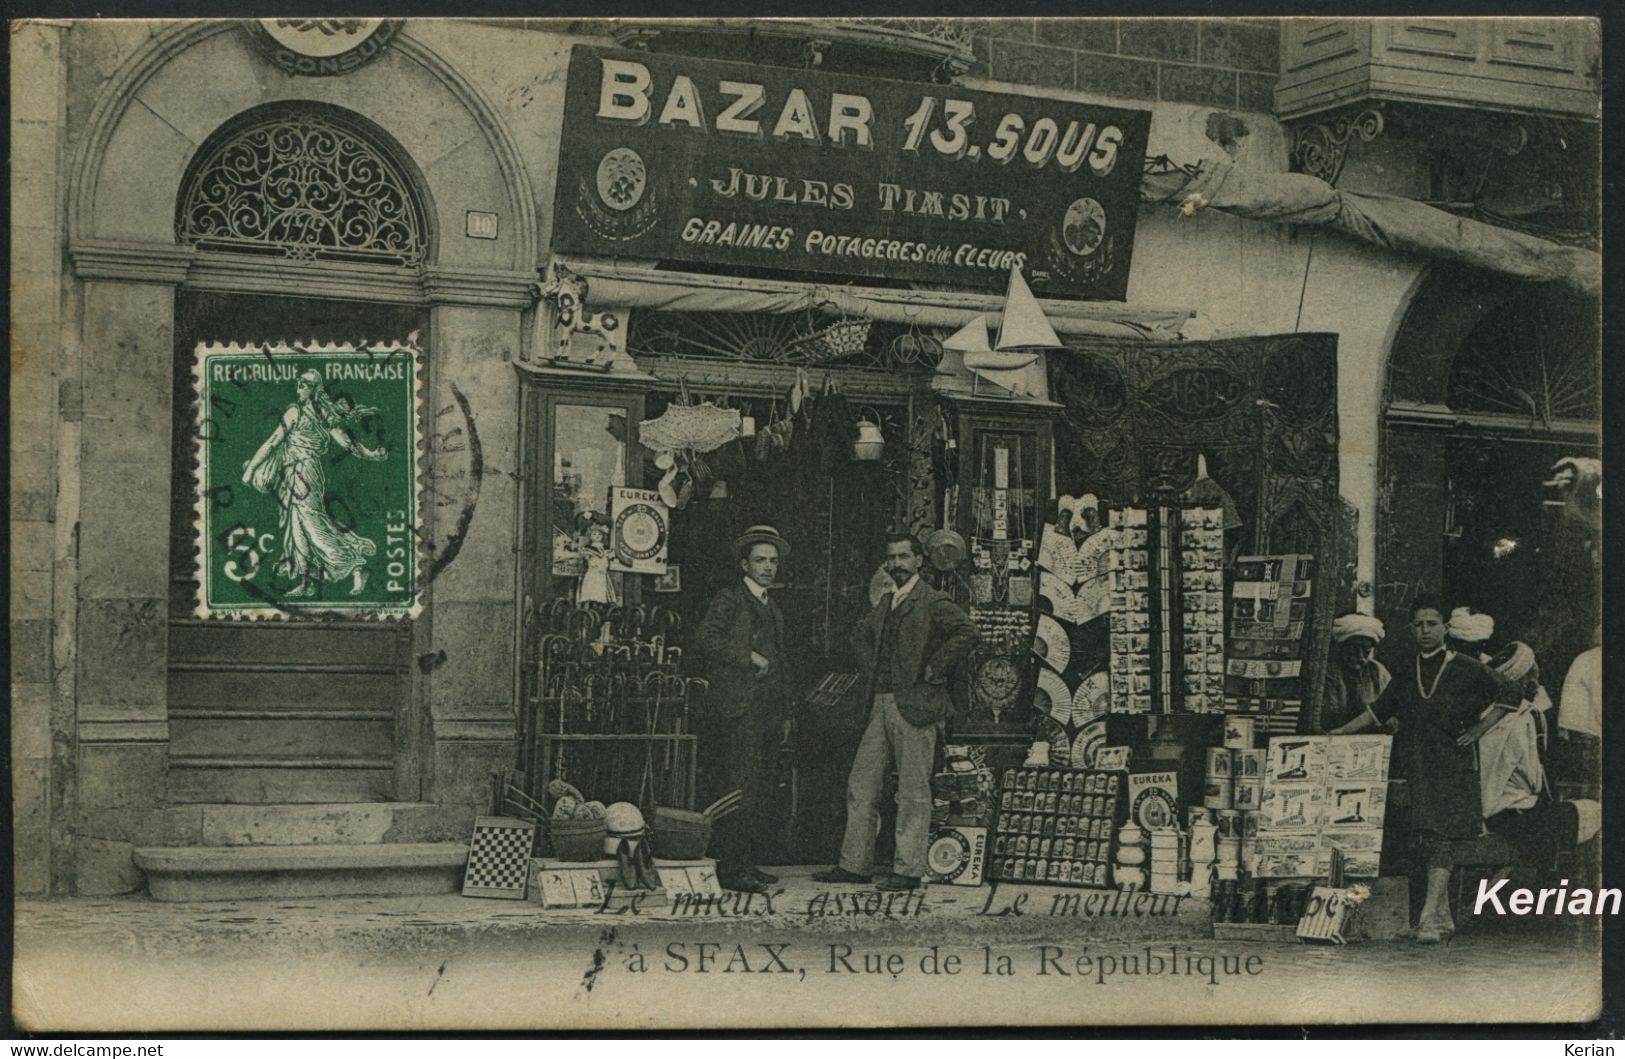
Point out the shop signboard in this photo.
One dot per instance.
(732, 164)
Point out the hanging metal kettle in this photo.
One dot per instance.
(871, 442)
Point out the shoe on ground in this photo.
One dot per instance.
(839, 874)
(765, 878)
(743, 883)
(897, 882)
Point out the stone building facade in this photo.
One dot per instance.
(113, 748)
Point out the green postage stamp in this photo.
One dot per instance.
(307, 483)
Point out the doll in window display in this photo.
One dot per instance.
(598, 584)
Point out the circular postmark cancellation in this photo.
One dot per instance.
(311, 486)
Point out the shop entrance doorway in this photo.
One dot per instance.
(1491, 382)
(835, 511)
(1512, 555)
(294, 709)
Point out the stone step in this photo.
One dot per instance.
(326, 823)
(228, 873)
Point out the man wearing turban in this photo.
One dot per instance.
(1355, 678)
(1468, 632)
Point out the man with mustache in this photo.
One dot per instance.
(905, 646)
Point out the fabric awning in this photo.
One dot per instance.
(1382, 220)
(642, 287)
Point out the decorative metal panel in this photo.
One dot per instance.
(303, 185)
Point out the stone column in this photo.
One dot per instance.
(38, 75)
(123, 397)
(473, 463)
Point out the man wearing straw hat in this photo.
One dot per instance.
(740, 645)
(905, 645)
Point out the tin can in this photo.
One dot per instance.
(1249, 764)
(1216, 793)
(1009, 779)
(1239, 731)
(1248, 794)
(1249, 825)
(1229, 823)
(1048, 826)
(1109, 807)
(1227, 851)
(1219, 762)
(1040, 869)
(1164, 882)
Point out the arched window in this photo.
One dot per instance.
(304, 183)
(1536, 356)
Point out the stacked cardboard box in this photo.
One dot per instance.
(1323, 792)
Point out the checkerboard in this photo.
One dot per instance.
(499, 857)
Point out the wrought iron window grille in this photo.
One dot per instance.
(304, 185)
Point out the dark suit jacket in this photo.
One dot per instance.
(931, 631)
(731, 629)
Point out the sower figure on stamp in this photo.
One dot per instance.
(740, 643)
(906, 645)
(290, 465)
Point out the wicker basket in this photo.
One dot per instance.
(838, 341)
(680, 834)
(578, 840)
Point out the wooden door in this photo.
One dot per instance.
(287, 710)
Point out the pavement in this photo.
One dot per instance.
(815, 956)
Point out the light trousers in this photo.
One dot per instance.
(888, 739)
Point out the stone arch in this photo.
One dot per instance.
(1448, 465)
(1448, 302)
(150, 121)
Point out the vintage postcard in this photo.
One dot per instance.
(780, 523)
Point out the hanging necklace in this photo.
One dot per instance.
(1427, 693)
